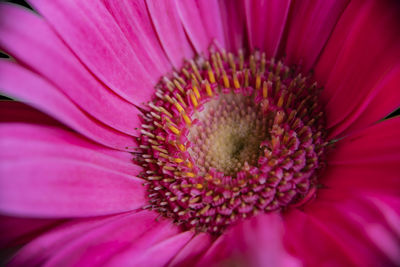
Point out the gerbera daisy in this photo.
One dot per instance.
(175, 133)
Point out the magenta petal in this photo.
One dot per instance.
(65, 187)
(210, 15)
(367, 161)
(233, 22)
(94, 36)
(20, 83)
(190, 254)
(47, 142)
(363, 48)
(55, 62)
(170, 31)
(133, 19)
(375, 106)
(265, 24)
(309, 28)
(254, 242)
(152, 250)
(13, 111)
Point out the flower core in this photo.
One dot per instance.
(228, 137)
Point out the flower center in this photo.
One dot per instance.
(228, 137)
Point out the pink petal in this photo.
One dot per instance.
(364, 47)
(55, 62)
(233, 22)
(210, 15)
(13, 111)
(192, 22)
(190, 253)
(313, 243)
(376, 105)
(309, 28)
(153, 253)
(103, 241)
(64, 187)
(20, 83)
(254, 242)
(367, 161)
(170, 31)
(94, 36)
(18, 231)
(133, 19)
(265, 24)
(348, 223)
(48, 142)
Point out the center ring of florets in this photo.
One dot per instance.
(227, 138)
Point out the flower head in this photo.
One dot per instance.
(200, 132)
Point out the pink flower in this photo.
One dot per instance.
(85, 189)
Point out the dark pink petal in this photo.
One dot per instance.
(363, 49)
(46, 142)
(94, 36)
(254, 242)
(358, 226)
(192, 22)
(314, 243)
(233, 22)
(210, 15)
(170, 31)
(104, 240)
(366, 161)
(64, 187)
(309, 28)
(265, 24)
(190, 253)
(17, 231)
(152, 250)
(54, 61)
(376, 105)
(20, 83)
(133, 19)
(13, 111)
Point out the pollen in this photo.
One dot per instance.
(230, 136)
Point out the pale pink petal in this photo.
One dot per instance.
(190, 253)
(309, 28)
(363, 48)
(58, 187)
(133, 19)
(170, 31)
(266, 21)
(20, 83)
(152, 251)
(210, 14)
(233, 22)
(366, 161)
(94, 36)
(376, 105)
(47, 142)
(313, 243)
(254, 242)
(192, 22)
(55, 62)
(13, 111)
(18, 231)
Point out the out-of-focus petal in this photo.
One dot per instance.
(94, 36)
(266, 21)
(363, 49)
(19, 82)
(210, 15)
(233, 21)
(309, 28)
(55, 62)
(366, 161)
(170, 31)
